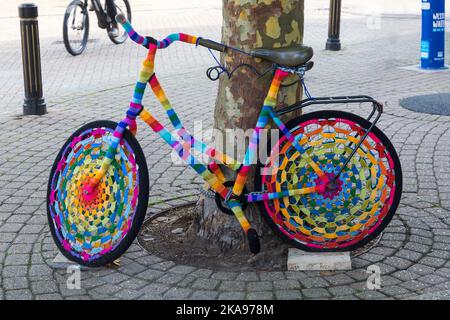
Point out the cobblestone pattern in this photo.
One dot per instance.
(413, 254)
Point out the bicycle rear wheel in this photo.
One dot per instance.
(76, 27)
(122, 7)
(366, 194)
(95, 229)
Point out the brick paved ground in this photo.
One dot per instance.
(413, 254)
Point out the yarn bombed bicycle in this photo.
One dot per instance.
(332, 182)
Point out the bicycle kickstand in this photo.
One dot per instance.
(252, 235)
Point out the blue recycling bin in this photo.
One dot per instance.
(433, 34)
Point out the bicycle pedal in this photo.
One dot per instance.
(253, 241)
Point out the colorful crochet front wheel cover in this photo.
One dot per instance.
(356, 208)
(95, 229)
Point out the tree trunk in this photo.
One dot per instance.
(247, 24)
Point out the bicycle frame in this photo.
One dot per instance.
(100, 12)
(185, 142)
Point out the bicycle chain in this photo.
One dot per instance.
(212, 194)
(207, 193)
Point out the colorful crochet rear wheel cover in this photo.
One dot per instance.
(95, 229)
(362, 200)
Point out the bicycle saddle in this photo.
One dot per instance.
(289, 57)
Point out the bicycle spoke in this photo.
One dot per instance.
(256, 196)
(348, 209)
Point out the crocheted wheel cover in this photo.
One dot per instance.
(362, 195)
(89, 226)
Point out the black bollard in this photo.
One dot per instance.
(34, 103)
(334, 26)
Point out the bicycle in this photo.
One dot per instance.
(76, 23)
(336, 186)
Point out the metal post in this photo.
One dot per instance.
(34, 103)
(432, 51)
(334, 26)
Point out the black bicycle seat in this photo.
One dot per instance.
(289, 57)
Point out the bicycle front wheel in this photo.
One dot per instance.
(95, 229)
(76, 27)
(362, 201)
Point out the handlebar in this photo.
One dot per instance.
(212, 45)
(136, 37)
(145, 41)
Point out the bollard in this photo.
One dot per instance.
(334, 26)
(34, 103)
(432, 52)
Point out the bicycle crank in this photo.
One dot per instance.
(222, 205)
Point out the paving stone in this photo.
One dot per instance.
(286, 284)
(171, 278)
(177, 293)
(271, 276)
(182, 269)
(15, 283)
(405, 275)
(128, 294)
(432, 262)
(370, 295)
(259, 286)
(313, 282)
(247, 276)
(414, 285)
(14, 271)
(339, 279)
(432, 279)
(22, 294)
(133, 284)
(421, 269)
(341, 290)
(42, 287)
(397, 262)
(115, 278)
(49, 296)
(232, 295)
(232, 286)
(150, 274)
(202, 273)
(204, 295)
(393, 291)
(17, 259)
(224, 275)
(106, 289)
(261, 295)
(132, 269)
(288, 294)
(206, 284)
(39, 270)
(187, 281)
(316, 293)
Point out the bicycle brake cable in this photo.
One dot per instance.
(219, 68)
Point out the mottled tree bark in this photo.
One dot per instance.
(247, 24)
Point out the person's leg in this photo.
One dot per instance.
(111, 10)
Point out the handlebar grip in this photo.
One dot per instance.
(212, 45)
(120, 18)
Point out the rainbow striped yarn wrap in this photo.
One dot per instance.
(91, 225)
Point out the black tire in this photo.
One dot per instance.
(294, 125)
(68, 43)
(133, 222)
(122, 37)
